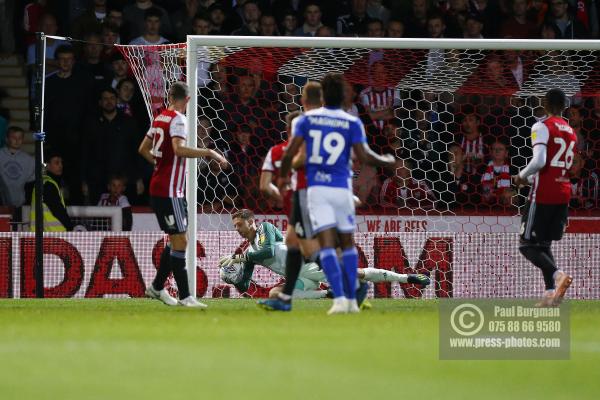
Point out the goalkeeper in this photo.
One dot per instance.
(267, 249)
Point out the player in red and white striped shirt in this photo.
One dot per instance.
(165, 147)
(545, 215)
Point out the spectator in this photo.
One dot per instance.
(472, 142)
(114, 17)
(464, 185)
(67, 100)
(32, 16)
(436, 26)
(201, 25)
(455, 17)
(495, 180)
(16, 168)
(417, 21)
(312, 20)
(519, 25)
(490, 13)
(184, 18)
(54, 209)
(325, 31)
(395, 29)
(376, 10)
(289, 24)
(115, 197)
(573, 115)
(584, 189)
(380, 98)
(355, 23)
(514, 61)
(219, 20)
(268, 26)
(215, 186)
(152, 24)
(92, 62)
(47, 25)
(110, 37)
(120, 69)
(134, 15)
(131, 103)
(565, 22)
(243, 108)
(549, 30)
(473, 27)
(403, 191)
(375, 29)
(110, 148)
(251, 14)
(245, 162)
(90, 21)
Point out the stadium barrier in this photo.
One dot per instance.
(465, 265)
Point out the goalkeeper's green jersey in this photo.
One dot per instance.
(267, 249)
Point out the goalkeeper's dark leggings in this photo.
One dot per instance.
(293, 264)
(540, 255)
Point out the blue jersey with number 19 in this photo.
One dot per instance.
(329, 134)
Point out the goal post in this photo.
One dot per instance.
(443, 92)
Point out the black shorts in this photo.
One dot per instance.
(543, 222)
(171, 213)
(299, 217)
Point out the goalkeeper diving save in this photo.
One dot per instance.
(268, 250)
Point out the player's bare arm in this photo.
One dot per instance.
(288, 155)
(367, 156)
(145, 150)
(300, 158)
(181, 150)
(267, 188)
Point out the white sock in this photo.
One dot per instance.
(383, 275)
(310, 294)
(558, 271)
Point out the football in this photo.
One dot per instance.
(231, 274)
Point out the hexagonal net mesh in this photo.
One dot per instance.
(458, 121)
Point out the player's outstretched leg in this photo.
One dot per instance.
(156, 290)
(283, 302)
(376, 275)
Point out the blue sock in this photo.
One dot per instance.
(350, 270)
(331, 267)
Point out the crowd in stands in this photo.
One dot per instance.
(452, 153)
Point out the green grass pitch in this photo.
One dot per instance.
(140, 349)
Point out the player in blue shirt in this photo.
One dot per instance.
(330, 135)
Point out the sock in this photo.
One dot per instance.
(350, 270)
(293, 264)
(383, 275)
(310, 294)
(331, 267)
(180, 273)
(164, 268)
(540, 258)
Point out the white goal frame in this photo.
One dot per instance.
(194, 42)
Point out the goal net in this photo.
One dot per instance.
(456, 114)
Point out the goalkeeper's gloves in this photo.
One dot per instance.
(228, 261)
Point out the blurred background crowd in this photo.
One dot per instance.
(455, 151)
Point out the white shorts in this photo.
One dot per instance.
(310, 277)
(331, 207)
